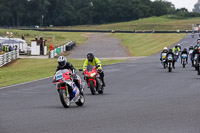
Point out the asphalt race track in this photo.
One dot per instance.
(140, 97)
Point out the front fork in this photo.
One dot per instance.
(94, 81)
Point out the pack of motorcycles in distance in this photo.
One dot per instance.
(170, 57)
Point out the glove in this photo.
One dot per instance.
(74, 71)
(74, 76)
(54, 81)
(99, 70)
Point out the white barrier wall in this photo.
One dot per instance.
(45, 50)
(8, 57)
(53, 53)
(35, 49)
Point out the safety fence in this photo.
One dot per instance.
(115, 31)
(67, 47)
(8, 57)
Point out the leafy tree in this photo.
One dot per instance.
(76, 12)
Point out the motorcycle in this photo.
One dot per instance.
(176, 55)
(195, 61)
(163, 60)
(169, 61)
(67, 89)
(190, 54)
(184, 56)
(198, 63)
(93, 79)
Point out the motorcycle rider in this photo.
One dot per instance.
(165, 50)
(64, 64)
(171, 54)
(179, 46)
(191, 49)
(195, 52)
(92, 60)
(176, 48)
(198, 42)
(184, 52)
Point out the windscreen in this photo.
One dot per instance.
(61, 71)
(89, 68)
(170, 56)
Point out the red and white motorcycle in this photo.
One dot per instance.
(67, 89)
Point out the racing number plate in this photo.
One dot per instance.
(59, 77)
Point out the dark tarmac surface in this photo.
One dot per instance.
(140, 97)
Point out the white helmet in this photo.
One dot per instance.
(179, 44)
(62, 61)
(165, 48)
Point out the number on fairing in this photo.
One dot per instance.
(59, 77)
(169, 58)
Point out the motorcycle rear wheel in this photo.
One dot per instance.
(169, 68)
(183, 65)
(65, 100)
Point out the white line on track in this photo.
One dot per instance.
(1, 88)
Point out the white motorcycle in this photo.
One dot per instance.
(67, 89)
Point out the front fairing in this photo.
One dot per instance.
(91, 73)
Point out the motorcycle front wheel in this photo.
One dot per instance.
(92, 87)
(64, 98)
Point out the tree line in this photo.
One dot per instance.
(78, 12)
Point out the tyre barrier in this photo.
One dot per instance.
(8, 57)
(67, 47)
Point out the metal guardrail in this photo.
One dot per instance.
(8, 57)
(110, 31)
(67, 47)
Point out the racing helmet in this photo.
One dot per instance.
(176, 46)
(191, 46)
(179, 44)
(62, 61)
(90, 56)
(185, 49)
(165, 48)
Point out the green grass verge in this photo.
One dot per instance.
(56, 38)
(147, 44)
(24, 70)
(165, 23)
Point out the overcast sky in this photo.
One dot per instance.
(189, 4)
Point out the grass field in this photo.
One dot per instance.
(147, 44)
(56, 38)
(23, 70)
(153, 23)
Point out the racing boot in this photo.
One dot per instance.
(102, 79)
(173, 65)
